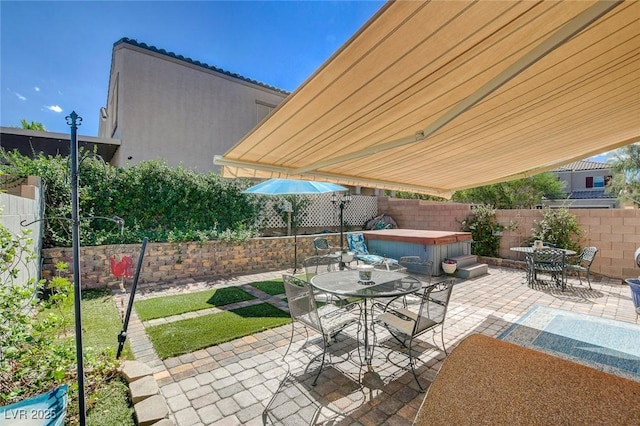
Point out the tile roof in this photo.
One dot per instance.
(589, 194)
(581, 165)
(198, 63)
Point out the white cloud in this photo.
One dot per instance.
(54, 108)
(22, 98)
(36, 88)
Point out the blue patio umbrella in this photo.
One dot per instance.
(293, 187)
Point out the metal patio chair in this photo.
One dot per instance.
(585, 259)
(406, 324)
(550, 261)
(315, 265)
(530, 268)
(327, 320)
(322, 247)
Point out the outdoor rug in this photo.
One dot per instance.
(607, 345)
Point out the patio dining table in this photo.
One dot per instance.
(383, 284)
(530, 249)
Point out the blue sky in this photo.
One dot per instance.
(55, 56)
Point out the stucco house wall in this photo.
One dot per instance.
(164, 105)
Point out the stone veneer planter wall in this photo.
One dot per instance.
(175, 261)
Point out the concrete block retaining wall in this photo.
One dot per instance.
(175, 261)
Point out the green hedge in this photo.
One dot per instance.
(157, 201)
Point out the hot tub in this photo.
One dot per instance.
(428, 245)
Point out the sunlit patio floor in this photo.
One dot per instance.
(247, 382)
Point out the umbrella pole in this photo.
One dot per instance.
(295, 252)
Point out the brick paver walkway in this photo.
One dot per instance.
(247, 382)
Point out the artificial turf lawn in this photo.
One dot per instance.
(160, 307)
(185, 336)
(271, 287)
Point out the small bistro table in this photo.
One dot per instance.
(531, 249)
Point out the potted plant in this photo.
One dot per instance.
(449, 266)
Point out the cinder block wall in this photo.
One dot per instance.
(176, 261)
(422, 214)
(615, 232)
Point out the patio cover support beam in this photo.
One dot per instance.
(344, 180)
(573, 27)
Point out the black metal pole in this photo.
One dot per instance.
(341, 264)
(122, 337)
(74, 121)
(295, 253)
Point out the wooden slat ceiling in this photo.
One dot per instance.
(438, 96)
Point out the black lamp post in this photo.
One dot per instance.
(74, 120)
(341, 203)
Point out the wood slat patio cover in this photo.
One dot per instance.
(438, 96)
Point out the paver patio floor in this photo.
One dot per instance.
(246, 382)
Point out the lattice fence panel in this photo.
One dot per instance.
(321, 212)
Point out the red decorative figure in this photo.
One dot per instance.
(123, 268)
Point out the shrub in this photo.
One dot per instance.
(485, 230)
(33, 359)
(156, 201)
(558, 227)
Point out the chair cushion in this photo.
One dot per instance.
(374, 259)
(578, 268)
(357, 244)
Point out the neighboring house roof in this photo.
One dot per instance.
(30, 142)
(589, 193)
(581, 165)
(132, 42)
